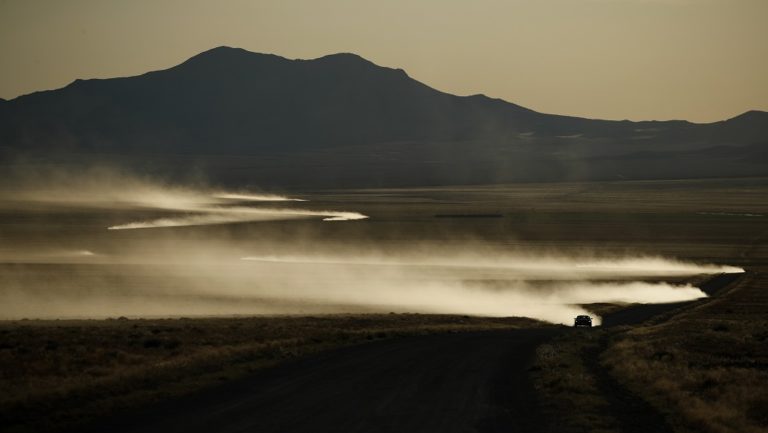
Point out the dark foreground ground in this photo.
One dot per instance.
(441, 383)
(61, 374)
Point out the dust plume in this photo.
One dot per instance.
(109, 189)
(522, 265)
(254, 197)
(213, 278)
(63, 262)
(221, 215)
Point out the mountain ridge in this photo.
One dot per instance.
(227, 50)
(230, 101)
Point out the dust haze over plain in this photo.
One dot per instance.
(164, 257)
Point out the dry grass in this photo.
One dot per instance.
(57, 374)
(705, 369)
(568, 388)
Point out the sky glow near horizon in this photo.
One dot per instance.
(637, 59)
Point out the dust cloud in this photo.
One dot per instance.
(212, 278)
(94, 269)
(254, 197)
(535, 266)
(228, 215)
(111, 189)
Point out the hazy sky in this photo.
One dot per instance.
(700, 60)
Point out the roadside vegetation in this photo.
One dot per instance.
(59, 374)
(706, 369)
(703, 368)
(567, 386)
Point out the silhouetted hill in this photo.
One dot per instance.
(341, 119)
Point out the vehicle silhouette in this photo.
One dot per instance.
(582, 320)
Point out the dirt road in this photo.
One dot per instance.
(442, 383)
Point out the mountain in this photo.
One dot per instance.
(341, 120)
